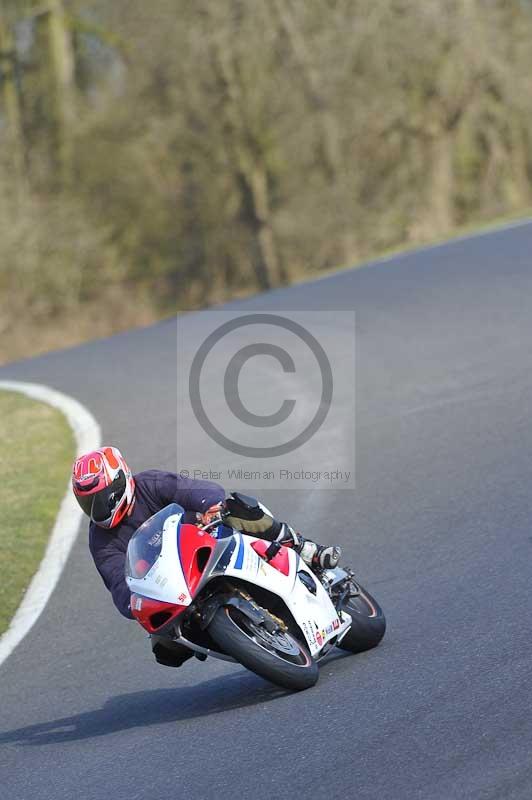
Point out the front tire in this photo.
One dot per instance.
(280, 658)
(369, 622)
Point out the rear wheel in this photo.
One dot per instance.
(279, 657)
(369, 622)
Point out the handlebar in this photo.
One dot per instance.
(212, 524)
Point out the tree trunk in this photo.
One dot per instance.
(267, 247)
(328, 144)
(252, 175)
(62, 70)
(521, 186)
(11, 97)
(442, 183)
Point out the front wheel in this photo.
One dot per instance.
(369, 622)
(279, 657)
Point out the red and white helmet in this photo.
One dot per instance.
(103, 486)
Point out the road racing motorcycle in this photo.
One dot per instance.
(240, 598)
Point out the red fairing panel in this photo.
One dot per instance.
(280, 562)
(191, 541)
(153, 614)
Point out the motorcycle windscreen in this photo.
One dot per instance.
(145, 545)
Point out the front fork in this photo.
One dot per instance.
(339, 584)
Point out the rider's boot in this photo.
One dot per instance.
(316, 556)
(169, 653)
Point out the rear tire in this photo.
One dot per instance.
(369, 622)
(239, 637)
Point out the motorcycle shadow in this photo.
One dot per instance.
(151, 707)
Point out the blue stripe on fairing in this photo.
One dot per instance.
(240, 555)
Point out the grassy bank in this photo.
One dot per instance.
(37, 452)
(79, 326)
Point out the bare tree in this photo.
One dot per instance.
(62, 68)
(11, 97)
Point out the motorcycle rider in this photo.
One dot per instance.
(117, 503)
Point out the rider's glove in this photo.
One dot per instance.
(211, 514)
(247, 514)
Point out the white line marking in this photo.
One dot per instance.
(87, 434)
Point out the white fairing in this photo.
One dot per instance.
(315, 614)
(165, 580)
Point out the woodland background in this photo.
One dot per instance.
(164, 155)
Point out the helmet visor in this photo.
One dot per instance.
(104, 503)
(85, 501)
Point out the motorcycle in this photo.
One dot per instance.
(222, 593)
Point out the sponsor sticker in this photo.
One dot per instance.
(156, 539)
(336, 624)
(182, 597)
(251, 558)
(307, 630)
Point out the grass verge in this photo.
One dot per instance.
(410, 246)
(37, 448)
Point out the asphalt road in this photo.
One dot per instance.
(438, 528)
